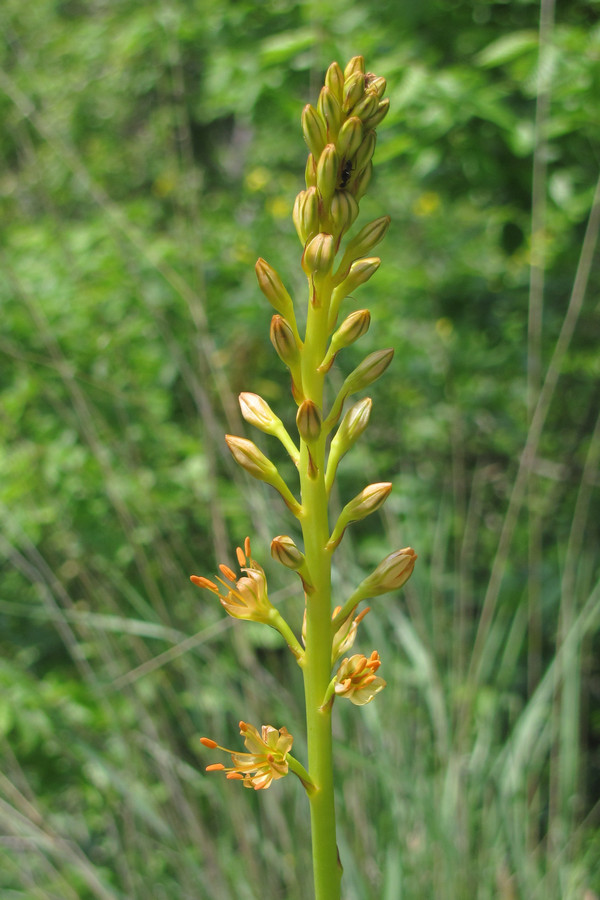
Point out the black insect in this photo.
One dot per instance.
(346, 174)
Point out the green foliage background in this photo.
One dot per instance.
(151, 152)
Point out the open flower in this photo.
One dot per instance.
(356, 679)
(266, 761)
(247, 597)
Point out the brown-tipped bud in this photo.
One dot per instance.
(284, 550)
(366, 106)
(334, 80)
(309, 421)
(330, 110)
(393, 572)
(352, 328)
(360, 272)
(379, 114)
(282, 338)
(350, 137)
(313, 127)
(318, 255)
(370, 369)
(343, 212)
(367, 238)
(354, 87)
(257, 412)
(327, 172)
(365, 152)
(356, 64)
(273, 288)
(375, 83)
(310, 173)
(361, 182)
(306, 214)
(249, 457)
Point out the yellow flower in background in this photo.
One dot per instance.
(266, 760)
(356, 678)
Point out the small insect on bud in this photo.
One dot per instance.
(350, 137)
(334, 80)
(370, 369)
(313, 127)
(273, 288)
(330, 110)
(327, 172)
(282, 338)
(306, 214)
(284, 550)
(390, 575)
(318, 255)
(309, 421)
(356, 64)
(354, 87)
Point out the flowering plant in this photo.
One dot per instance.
(340, 134)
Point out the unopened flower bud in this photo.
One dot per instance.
(350, 429)
(366, 106)
(282, 338)
(343, 211)
(360, 271)
(273, 288)
(310, 173)
(367, 238)
(318, 254)
(306, 214)
(356, 64)
(379, 114)
(361, 182)
(313, 127)
(368, 501)
(375, 83)
(366, 150)
(330, 110)
(352, 328)
(251, 458)
(370, 369)
(284, 550)
(350, 137)
(354, 87)
(257, 412)
(393, 572)
(309, 421)
(327, 172)
(334, 79)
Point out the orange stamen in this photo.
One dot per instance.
(240, 556)
(203, 582)
(227, 572)
(215, 767)
(235, 776)
(247, 547)
(209, 743)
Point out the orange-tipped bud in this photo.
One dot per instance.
(257, 412)
(249, 457)
(273, 288)
(282, 338)
(390, 575)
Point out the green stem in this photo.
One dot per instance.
(317, 659)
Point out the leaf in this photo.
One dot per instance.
(507, 48)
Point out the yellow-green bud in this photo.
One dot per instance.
(365, 503)
(306, 214)
(366, 150)
(282, 338)
(361, 182)
(354, 87)
(310, 173)
(370, 369)
(375, 83)
(272, 287)
(249, 457)
(367, 238)
(330, 111)
(327, 172)
(334, 79)
(366, 106)
(284, 550)
(356, 64)
(309, 421)
(360, 271)
(350, 137)
(257, 412)
(350, 429)
(392, 573)
(379, 114)
(352, 328)
(315, 133)
(343, 212)
(318, 254)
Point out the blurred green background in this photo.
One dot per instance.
(150, 153)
